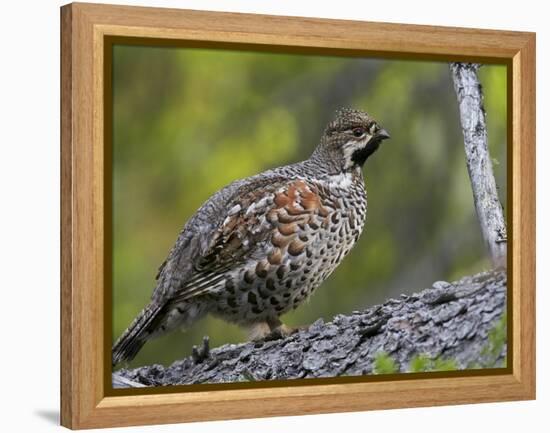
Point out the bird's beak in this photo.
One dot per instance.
(382, 134)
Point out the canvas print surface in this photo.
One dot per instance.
(291, 216)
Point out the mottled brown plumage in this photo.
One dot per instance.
(260, 246)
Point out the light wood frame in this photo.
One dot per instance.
(85, 402)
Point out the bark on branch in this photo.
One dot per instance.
(472, 117)
(449, 321)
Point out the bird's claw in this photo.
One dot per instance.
(200, 354)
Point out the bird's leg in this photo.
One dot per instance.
(271, 329)
(258, 331)
(278, 329)
(199, 354)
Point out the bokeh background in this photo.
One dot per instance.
(188, 121)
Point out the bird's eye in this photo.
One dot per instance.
(358, 132)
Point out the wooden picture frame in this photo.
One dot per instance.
(85, 367)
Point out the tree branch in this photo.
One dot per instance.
(449, 321)
(472, 117)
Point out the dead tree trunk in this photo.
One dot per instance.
(472, 117)
(446, 325)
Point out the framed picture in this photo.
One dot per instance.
(215, 170)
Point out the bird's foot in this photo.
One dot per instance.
(280, 332)
(271, 330)
(200, 354)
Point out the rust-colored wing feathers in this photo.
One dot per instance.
(266, 219)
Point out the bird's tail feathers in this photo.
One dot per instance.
(133, 339)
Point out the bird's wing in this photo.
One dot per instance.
(234, 225)
(193, 255)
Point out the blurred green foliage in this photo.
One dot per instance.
(496, 341)
(384, 364)
(188, 121)
(423, 363)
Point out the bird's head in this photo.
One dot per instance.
(350, 138)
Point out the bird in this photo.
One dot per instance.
(260, 246)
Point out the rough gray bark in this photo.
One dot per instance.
(472, 117)
(446, 321)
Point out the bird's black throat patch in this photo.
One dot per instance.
(360, 155)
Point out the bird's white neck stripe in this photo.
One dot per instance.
(341, 180)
